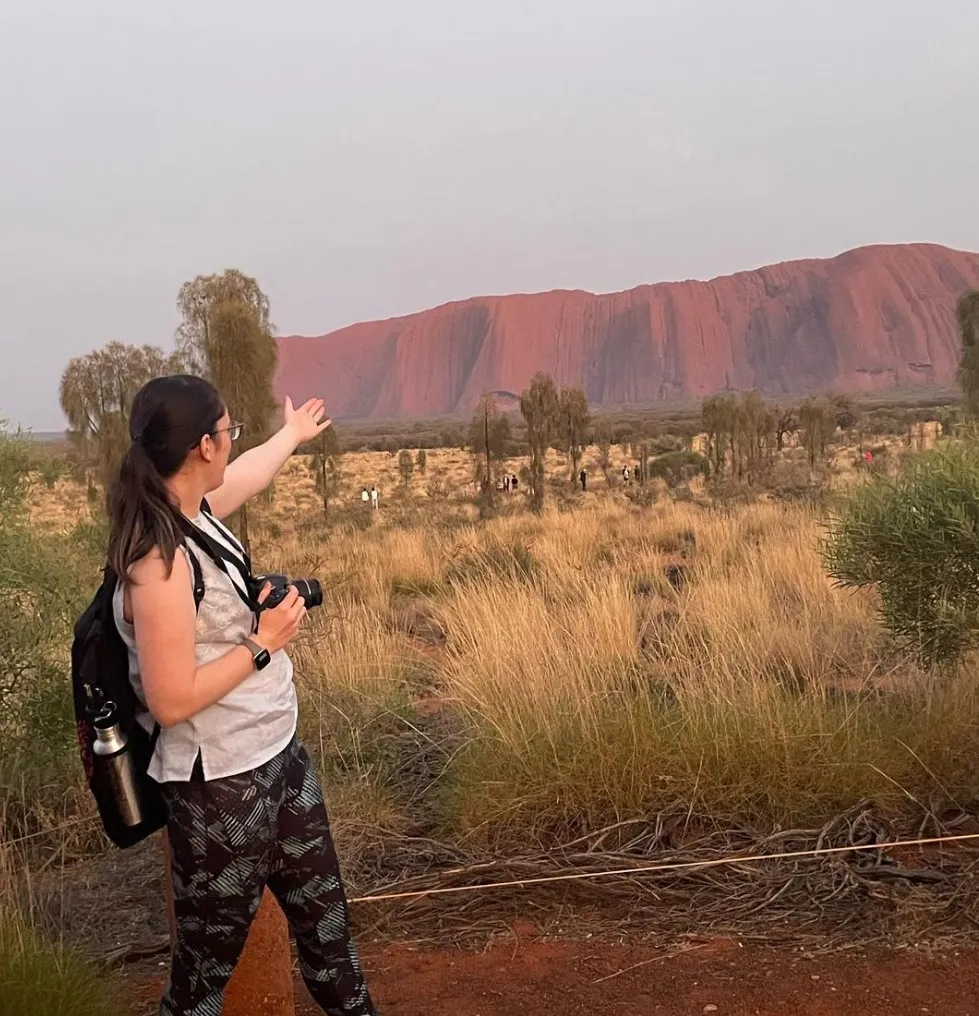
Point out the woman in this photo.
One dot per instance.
(245, 805)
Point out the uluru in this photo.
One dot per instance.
(870, 319)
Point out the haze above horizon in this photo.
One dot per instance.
(387, 158)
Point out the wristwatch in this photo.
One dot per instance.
(261, 658)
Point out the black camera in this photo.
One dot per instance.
(310, 591)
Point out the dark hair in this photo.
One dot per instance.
(168, 418)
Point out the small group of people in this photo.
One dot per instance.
(370, 496)
(504, 484)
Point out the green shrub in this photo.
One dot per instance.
(678, 467)
(45, 580)
(50, 469)
(41, 979)
(916, 539)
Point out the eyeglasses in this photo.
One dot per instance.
(234, 430)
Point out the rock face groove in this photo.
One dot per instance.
(873, 318)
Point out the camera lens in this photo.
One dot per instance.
(311, 592)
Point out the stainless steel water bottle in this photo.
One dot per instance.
(115, 766)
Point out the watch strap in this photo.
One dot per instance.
(260, 655)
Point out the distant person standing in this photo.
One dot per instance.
(374, 498)
(583, 480)
(364, 496)
(514, 483)
(625, 474)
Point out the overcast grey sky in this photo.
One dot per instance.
(370, 159)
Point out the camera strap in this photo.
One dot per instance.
(226, 534)
(222, 557)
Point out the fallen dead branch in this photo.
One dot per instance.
(866, 895)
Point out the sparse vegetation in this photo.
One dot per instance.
(757, 690)
(670, 649)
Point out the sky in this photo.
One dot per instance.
(366, 160)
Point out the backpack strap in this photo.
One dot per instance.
(195, 566)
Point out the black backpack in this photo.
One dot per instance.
(100, 674)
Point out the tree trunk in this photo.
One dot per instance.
(489, 472)
(537, 479)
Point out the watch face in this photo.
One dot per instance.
(263, 659)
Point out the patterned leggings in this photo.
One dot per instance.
(231, 837)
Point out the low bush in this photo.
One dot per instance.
(45, 579)
(678, 467)
(915, 539)
(38, 978)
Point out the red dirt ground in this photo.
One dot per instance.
(596, 979)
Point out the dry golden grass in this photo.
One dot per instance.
(590, 690)
(744, 694)
(574, 685)
(59, 506)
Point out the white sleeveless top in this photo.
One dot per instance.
(254, 721)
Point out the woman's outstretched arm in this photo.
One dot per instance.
(254, 470)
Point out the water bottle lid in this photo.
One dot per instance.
(106, 716)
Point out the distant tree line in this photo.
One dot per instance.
(226, 335)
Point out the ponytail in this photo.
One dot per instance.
(142, 514)
(169, 416)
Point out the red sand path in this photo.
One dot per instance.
(529, 978)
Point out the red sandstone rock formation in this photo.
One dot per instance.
(873, 318)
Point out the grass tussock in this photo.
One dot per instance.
(41, 978)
